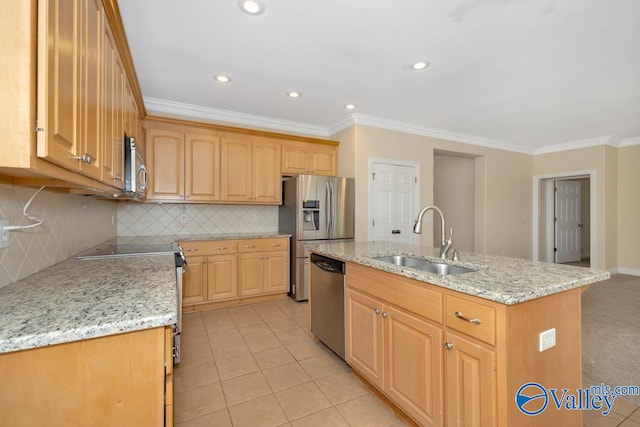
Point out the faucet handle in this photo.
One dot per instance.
(455, 256)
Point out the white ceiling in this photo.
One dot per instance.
(518, 74)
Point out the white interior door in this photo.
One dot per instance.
(567, 221)
(394, 202)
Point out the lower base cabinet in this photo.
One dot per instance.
(117, 380)
(398, 353)
(448, 358)
(230, 270)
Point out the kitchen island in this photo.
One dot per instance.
(89, 343)
(457, 349)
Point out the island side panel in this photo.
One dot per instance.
(559, 367)
(106, 381)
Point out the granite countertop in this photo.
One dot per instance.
(500, 279)
(75, 300)
(199, 237)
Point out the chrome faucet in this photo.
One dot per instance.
(446, 243)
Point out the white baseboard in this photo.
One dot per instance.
(623, 270)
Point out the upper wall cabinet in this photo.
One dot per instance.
(307, 158)
(67, 93)
(183, 166)
(250, 170)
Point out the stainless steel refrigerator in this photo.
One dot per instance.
(315, 209)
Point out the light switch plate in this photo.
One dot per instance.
(547, 339)
(4, 234)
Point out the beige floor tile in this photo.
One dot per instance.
(596, 419)
(307, 349)
(323, 366)
(257, 330)
(623, 407)
(327, 417)
(270, 316)
(273, 357)
(629, 423)
(229, 350)
(247, 319)
(279, 324)
(367, 410)
(245, 388)
(341, 387)
(195, 350)
(187, 378)
(263, 342)
(291, 335)
(241, 310)
(286, 376)
(225, 335)
(237, 367)
(302, 400)
(218, 419)
(304, 322)
(192, 324)
(197, 402)
(217, 321)
(261, 412)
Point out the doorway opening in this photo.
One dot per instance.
(564, 218)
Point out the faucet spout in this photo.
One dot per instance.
(445, 244)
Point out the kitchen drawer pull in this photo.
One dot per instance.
(466, 319)
(192, 250)
(251, 246)
(222, 248)
(276, 245)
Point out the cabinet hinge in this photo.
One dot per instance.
(415, 179)
(38, 128)
(373, 176)
(374, 222)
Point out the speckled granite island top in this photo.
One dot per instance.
(501, 279)
(75, 300)
(199, 237)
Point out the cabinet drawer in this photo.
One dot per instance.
(472, 318)
(402, 292)
(210, 247)
(262, 245)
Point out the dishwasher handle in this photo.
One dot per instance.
(328, 264)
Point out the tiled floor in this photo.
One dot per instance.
(257, 365)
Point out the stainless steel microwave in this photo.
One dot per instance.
(135, 172)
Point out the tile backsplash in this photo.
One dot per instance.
(179, 219)
(72, 223)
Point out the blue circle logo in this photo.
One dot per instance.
(532, 398)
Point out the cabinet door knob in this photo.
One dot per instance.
(377, 310)
(460, 316)
(448, 346)
(385, 314)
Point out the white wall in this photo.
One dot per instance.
(72, 224)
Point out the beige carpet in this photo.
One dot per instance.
(611, 333)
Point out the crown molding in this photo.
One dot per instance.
(155, 105)
(214, 115)
(628, 142)
(379, 122)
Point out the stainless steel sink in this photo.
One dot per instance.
(424, 265)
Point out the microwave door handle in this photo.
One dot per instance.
(143, 177)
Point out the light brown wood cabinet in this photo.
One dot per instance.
(448, 358)
(58, 91)
(306, 158)
(250, 170)
(123, 379)
(397, 352)
(229, 271)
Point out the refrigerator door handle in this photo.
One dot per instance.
(327, 208)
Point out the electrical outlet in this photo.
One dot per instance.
(254, 218)
(183, 218)
(4, 234)
(547, 339)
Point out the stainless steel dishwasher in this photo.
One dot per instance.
(327, 302)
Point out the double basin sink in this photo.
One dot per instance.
(424, 264)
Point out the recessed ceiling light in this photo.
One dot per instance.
(350, 106)
(251, 7)
(294, 94)
(420, 65)
(222, 78)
